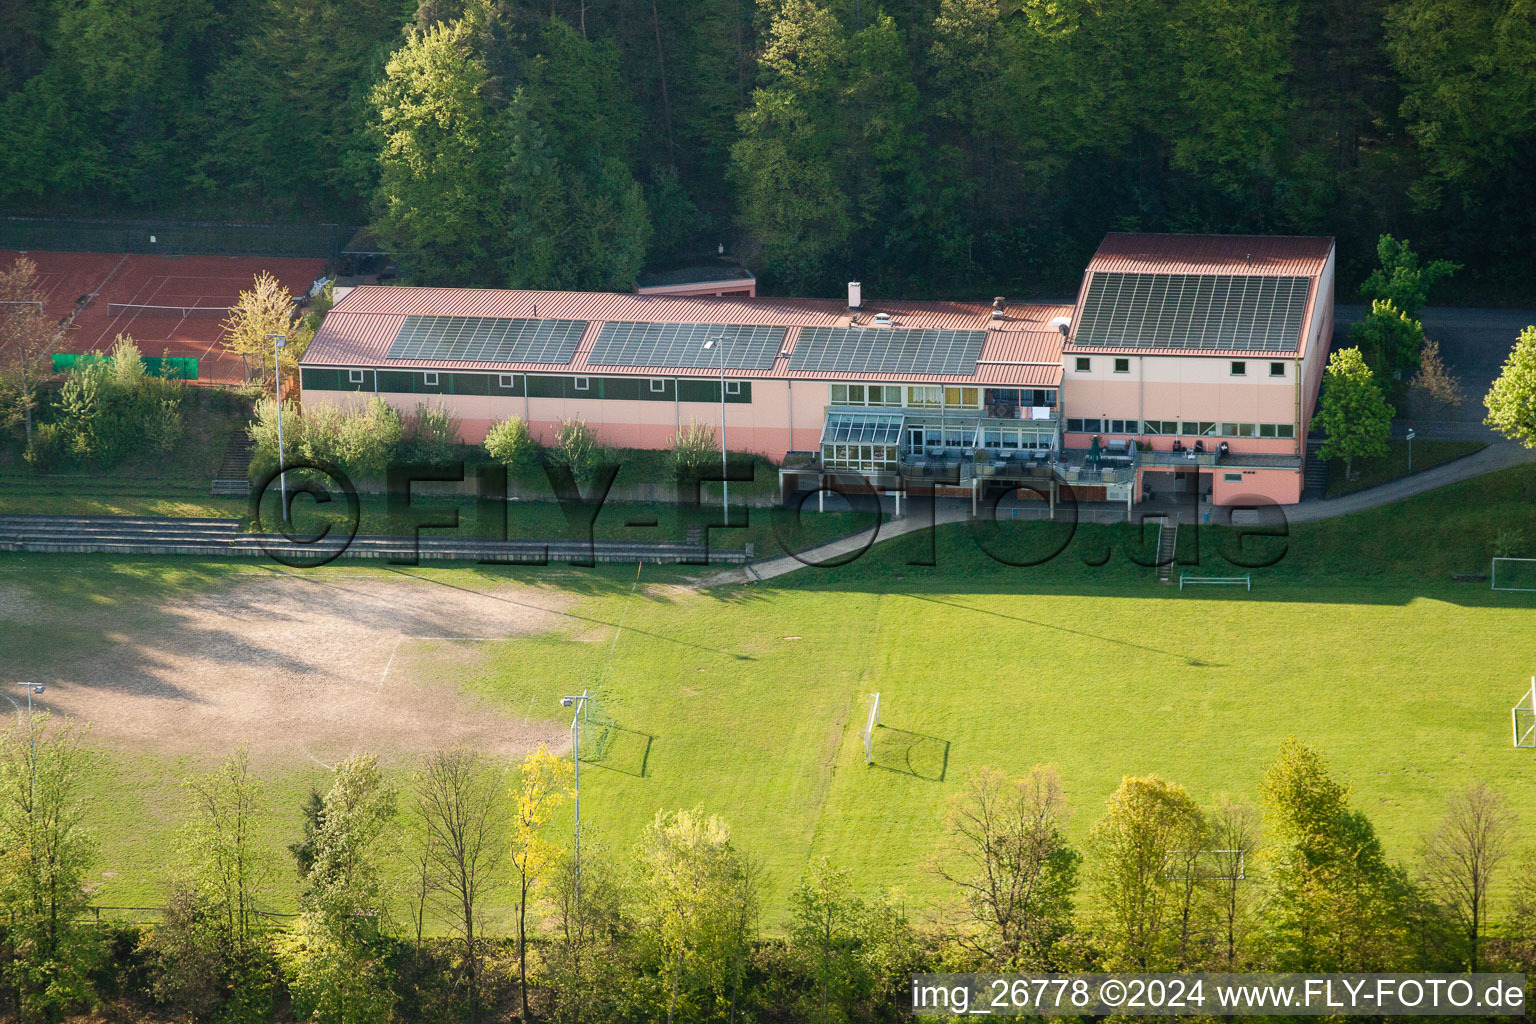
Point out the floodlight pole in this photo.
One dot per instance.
(724, 470)
(32, 741)
(1411, 436)
(279, 342)
(578, 702)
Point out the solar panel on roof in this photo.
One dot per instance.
(487, 339)
(633, 343)
(1193, 312)
(886, 350)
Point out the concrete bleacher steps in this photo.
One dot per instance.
(222, 537)
(1167, 535)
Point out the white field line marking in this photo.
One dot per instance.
(384, 675)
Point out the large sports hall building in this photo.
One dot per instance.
(1187, 363)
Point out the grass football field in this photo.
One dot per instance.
(748, 700)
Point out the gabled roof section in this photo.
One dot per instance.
(1209, 295)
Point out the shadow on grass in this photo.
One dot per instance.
(910, 753)
(626, 751)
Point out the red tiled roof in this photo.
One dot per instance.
(1021, 349)
(1268, 255)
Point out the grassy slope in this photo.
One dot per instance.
(1427, 453)
(1356, 641)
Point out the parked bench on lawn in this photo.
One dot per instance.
(1244, 580)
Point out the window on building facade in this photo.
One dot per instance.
(1277, 369)
(506, 380)
(1122, 366)
(1239, 368)
(1232, 478)
(867, 458)
(658, 385)
(429, 379)
(733, 387)
(581, 383)
(1084, 364)
(355, 376)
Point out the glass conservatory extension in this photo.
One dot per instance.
(873, 442)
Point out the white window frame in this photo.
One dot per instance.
(1084, 364)
(1126, 361)
(1232, 478)
(733, 387)
(1238, 368)
(658, 385)
(506, 380)
(356, 376)
(1274, 366)
(581, 383)
(429, 379)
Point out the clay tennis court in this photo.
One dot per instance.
(300, 668)
(192, 295)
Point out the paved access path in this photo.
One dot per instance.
(1497, 456)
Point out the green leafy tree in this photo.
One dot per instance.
(1388, 339)
(1144, 871)
(699, 905)
(1400, 279)
(1511, 401)
(47, 856)
(1015, 871)
(1352, 410)
(440, 197)
(510, 443)
(335, 974)
(841, 944)
(1338, 905)
(576, 447)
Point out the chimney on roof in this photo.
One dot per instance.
(997, 307)
(855, 295)
(1248, 256)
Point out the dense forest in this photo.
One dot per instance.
(928, 147)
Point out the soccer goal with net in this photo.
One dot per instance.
(1513, 574)
(869, 729)
(1522, 718)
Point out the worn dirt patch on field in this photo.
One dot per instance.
(296, 667)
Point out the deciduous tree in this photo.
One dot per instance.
(543, 786)
(1352, 410)
(1463, 856)
(1511, 401)
(26, 339)
(1014, 868)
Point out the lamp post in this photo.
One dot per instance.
(579, 702)
(280, 342)
(32, 739)
(1411, 436)
(724, 472)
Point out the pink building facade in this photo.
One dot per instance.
(962, 397)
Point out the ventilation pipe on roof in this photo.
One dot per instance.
(997, 307)
(855, 295)
(882, 320)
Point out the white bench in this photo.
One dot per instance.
(1244, 580)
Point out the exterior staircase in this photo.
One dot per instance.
(1315, 475)
(1167, 542)
(233, 478)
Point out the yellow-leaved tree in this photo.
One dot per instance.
(265, 309)
(543, 786)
